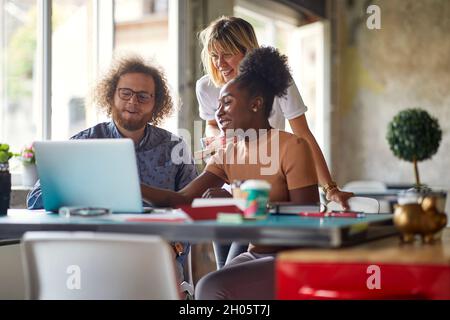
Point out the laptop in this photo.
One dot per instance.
(98, 173)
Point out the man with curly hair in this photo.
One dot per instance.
(136, 97)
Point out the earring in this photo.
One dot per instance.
(255, 109)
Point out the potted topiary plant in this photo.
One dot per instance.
(5, 178)
(414, 136)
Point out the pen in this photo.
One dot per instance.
(350, 214)
(332, 214)
(312, 214)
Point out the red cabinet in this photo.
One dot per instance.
(383, 269)
(296, 280)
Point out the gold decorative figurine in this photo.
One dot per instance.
(422, 218)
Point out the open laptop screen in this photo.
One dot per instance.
(92, 173)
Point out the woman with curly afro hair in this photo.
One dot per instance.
(226, 41)
(261, 152)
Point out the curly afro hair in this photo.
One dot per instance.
(265, 72)
(103, 94)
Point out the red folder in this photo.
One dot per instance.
(208, 213)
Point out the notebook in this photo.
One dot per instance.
(89, 173)
(292, 208)
(210, 208)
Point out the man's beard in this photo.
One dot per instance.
(130, 124)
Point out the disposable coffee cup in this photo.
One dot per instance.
(257, 197)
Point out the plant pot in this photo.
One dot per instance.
(5, 192)
(29, 175)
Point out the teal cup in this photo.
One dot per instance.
(256, 193)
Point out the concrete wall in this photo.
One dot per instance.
(376, 74)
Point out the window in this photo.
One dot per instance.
(76, 50)
(72, 66)
(142, 27)
(20, 112)
(311, 73)
(45, 76)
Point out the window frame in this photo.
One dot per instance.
(44, 65)
(103, 45)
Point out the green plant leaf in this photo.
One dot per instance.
(414, 134)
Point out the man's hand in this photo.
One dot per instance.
(178, 248)
(216, 193)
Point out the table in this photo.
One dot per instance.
(380, 269)
(289, 230)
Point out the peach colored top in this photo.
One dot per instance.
(281, 158)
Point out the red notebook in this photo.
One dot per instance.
(208, 213)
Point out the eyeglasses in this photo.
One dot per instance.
(126, 94)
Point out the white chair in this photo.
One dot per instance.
(362, 204)
(11, 271)
(369, 186)
(86, 265)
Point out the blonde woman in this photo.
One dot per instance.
(225, 42)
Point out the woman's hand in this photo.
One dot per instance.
(212, 129)
(216, 193)
(340, 197)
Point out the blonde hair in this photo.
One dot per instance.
(232, 34)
